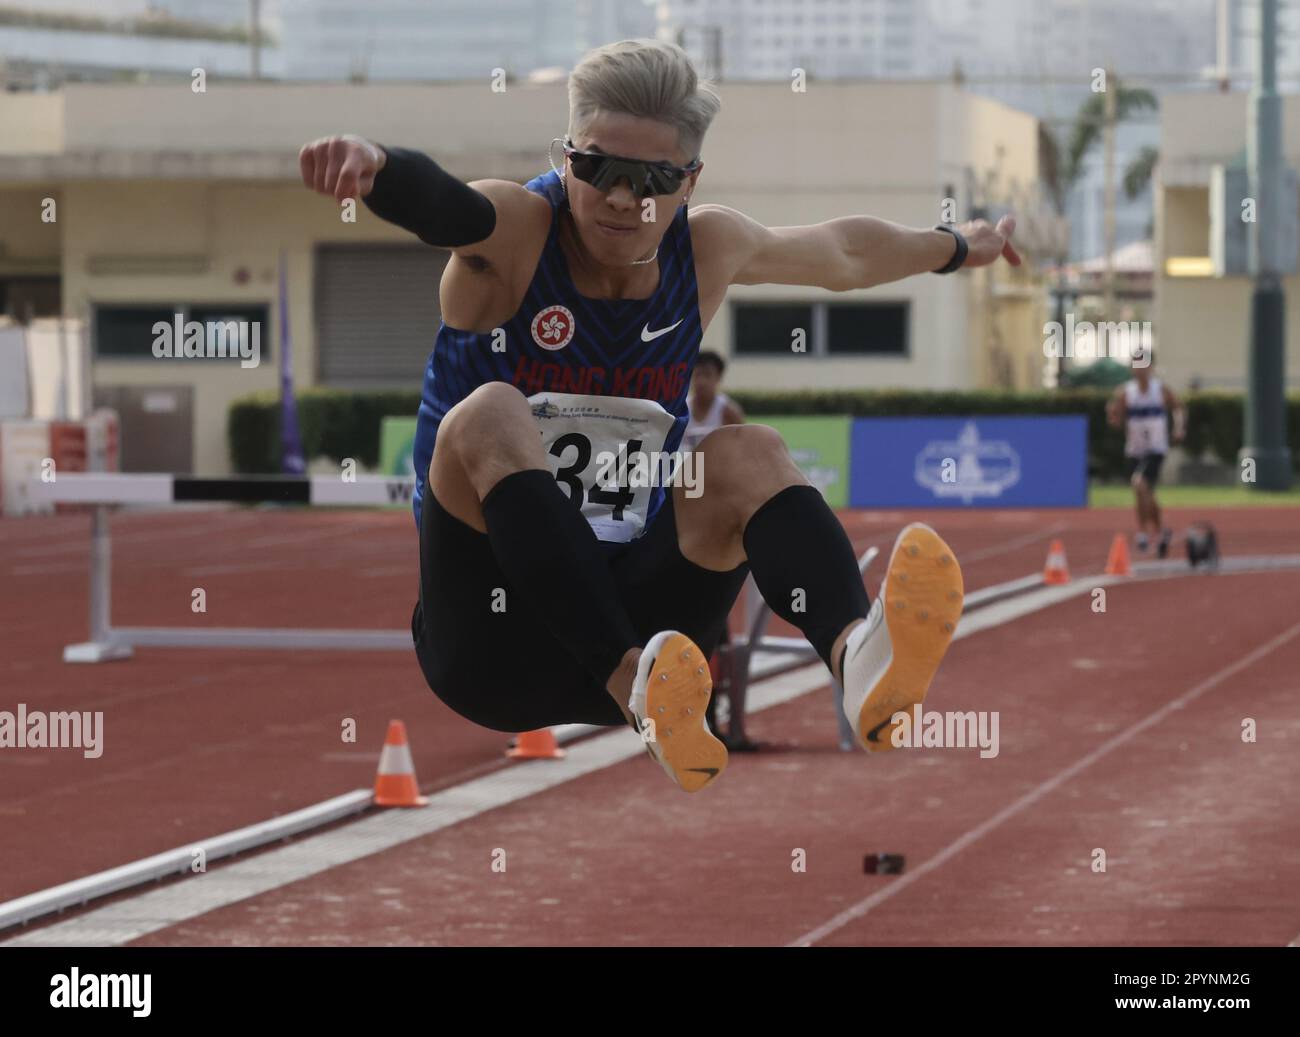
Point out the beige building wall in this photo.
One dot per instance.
(28, 245)
(143, 233)
(165, 195)
(786, 158)
(31, 124)
(1201, 324)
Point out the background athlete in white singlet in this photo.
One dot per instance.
(1142, 406)
(711, 408)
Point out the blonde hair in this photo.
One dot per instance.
(651, 79)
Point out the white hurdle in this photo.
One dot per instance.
(107, 642)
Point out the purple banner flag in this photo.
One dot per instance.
(291, 459)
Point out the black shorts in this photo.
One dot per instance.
(504, 670)
(1148, 465)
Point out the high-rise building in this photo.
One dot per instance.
(449, 39)
(1039, 56)
(43, 45)
(767, 39)
(1241, 18)
(338, 40)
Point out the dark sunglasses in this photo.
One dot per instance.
(604, 171)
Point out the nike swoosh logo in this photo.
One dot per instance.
(874, 733)
(856, 652)
(649, 336)
(861, 645)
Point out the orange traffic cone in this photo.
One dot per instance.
(536, 745)
(1117, 563)
(395, 784)
(1056, 571)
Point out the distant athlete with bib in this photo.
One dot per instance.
(555, 588)
(1141, 407)
(710, 407)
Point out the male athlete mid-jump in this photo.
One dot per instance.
(573, 308)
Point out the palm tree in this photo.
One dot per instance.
(1060, 172)
(1138, 172)
(1087, 131)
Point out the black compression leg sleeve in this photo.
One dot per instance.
(554, 564)
(418, 195)
(805, 567)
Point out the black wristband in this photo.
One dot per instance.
(415, 193)
(958, 257)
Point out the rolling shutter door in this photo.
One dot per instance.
(376, 313)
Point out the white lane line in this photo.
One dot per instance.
(896, 886)
(132, 918)
(157, 909)
(1007, 546)
(181, 859)
(48, 570)
(1013, 608)
(229, 568)
(353, 529)
(79, 543)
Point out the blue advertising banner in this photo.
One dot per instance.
(990, 462)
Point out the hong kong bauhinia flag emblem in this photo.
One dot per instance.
(553, 327)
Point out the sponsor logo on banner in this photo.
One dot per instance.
(399, 491)
(968, 467)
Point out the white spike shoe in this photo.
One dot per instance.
(670, 696)
(890, 660)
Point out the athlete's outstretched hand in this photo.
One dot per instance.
(343, 167)
(986, 243)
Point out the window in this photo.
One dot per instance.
(127, 332)
(767, 329)
(22, 298)
(868, 329)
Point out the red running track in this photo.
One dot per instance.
(1194, 822)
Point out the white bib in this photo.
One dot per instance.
(583, 434)
(1145, 432)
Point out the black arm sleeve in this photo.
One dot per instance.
(415, 193)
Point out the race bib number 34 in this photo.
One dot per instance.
(586, 438)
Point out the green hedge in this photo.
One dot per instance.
(332, 422)
(339, 424)
(1215, 420)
